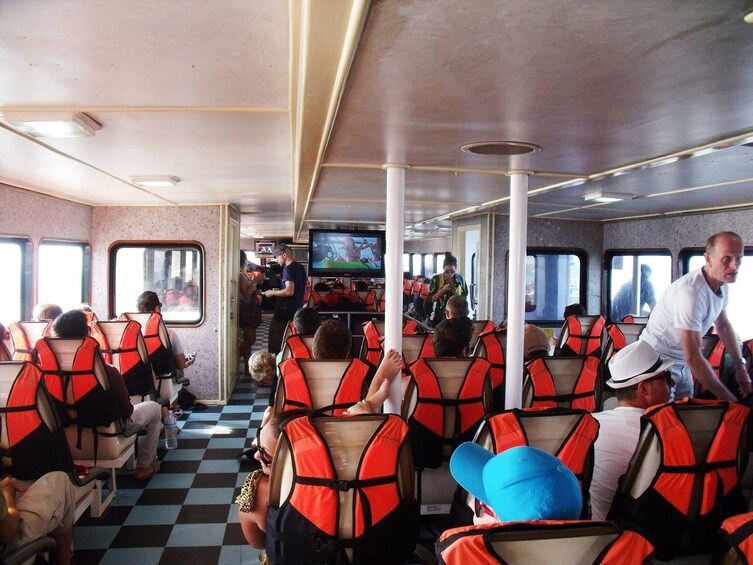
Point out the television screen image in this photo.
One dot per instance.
(339, 253)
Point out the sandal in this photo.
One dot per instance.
(144, 473)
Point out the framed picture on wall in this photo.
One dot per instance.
(264, 248)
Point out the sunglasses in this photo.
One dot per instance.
(666, 376)
(264, 455)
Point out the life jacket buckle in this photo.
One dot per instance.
(341, 485)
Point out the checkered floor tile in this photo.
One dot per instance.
(185, 513)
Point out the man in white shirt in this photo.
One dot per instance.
(686, 311)
(640, 378)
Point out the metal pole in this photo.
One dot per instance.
(393, 283)
(516, 288)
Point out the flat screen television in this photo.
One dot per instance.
(346, 253)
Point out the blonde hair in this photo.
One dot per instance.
(262, 365)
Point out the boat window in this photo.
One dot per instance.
(635, 280)
(15, 298)
(175, 271)
(554, 279)
(63, 274)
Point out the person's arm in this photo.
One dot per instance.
(379, 389)
(287, 290)
(727, 334)
(700, 367)
(254, 523)
(246, 286)
(10, 519)
(435, 292)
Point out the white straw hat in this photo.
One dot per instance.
(635, 363)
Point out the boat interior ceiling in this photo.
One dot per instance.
(290, 111)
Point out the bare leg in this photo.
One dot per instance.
(249, 338)
(64, 541)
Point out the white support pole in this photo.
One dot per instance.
(393, 282)
(516, 289)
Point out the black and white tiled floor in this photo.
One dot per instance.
(185, 513)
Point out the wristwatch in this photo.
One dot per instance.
(740, 361)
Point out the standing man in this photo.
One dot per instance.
(289, 297)
(686, 311)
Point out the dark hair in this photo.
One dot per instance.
(275, 422)
(244, 259)
(574, 310)
(361, 286)
(452, 336)
(71, 324)
(320, 286)
(306, 320)
(331, 341)
(147, 301)
(407, 275)
(449, 259)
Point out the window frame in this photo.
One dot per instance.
(609, 255)
(26, 273)
(582, 255)
(163, 245)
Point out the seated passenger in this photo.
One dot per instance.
(521, 483)
(640, 378)
(457, 307)
(31, 511)
(43, 312)
(452, 337)
(535, 342)
(145, 414)
(574, 310)
(252, 501)
(263, 366)
(148, 301)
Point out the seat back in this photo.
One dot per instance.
(348, 482)
(445, 401)
(617, 336)
(492, 346)
(5, 354)
(735, 543)
(298, 346)
(371, 346)
(32, 440)
(581, 335)
(369, 299)
(75, 375)
(567, 434)
(567, 382)
(479, 327)
(24, 336)
(315, 384)
(123, 346)
(684, 477)
(630, 319)
(289, 330)
(157, 340)
(713, 351)
(543, 541)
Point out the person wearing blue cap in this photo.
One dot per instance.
(640, 378)
(521, 483)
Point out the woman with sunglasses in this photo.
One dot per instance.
(252, 501)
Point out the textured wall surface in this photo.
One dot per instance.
(38, 216)
(184, 223)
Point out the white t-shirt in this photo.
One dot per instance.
(175, 342)
(687, 304)
(619, 431)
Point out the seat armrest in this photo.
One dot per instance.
(28, 550)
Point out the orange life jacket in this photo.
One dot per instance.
(369, 300)
(314, 299)
(298, 394)
(577, 342)
(33, 448)
(136, 373)
(407, 287)
(495, 354)
(663, 509)
(618, 338)
(470, 545)
(715, 359)
(375, 345)
(92, 404)
(545, 394)
(160, 356)
(737, 533)
(23, 348)
(427, 422)
(298, 347)
(305, 527)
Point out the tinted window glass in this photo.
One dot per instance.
(62, 274)
(554, 279)
(635, 281)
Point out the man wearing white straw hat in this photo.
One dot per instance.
(640, 378)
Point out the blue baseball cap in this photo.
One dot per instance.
(521, 483)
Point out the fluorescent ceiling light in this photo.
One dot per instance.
(156, 181)
(55, 124)
(600, 196)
